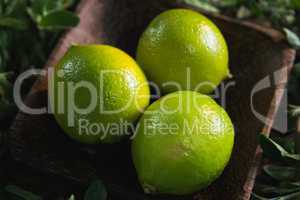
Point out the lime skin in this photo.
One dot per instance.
(120, 90)
(182, 144)
(183, 47)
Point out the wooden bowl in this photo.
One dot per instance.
(255, 53)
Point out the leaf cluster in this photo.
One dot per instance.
(29, 30)
(283, 178)
(96, 191)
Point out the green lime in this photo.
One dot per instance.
(97, 92)
(183, 47)
(182, 144)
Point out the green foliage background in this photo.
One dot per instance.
(29, 29)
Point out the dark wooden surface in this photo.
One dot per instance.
(255, 53)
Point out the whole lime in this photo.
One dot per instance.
(97, 92)
(182, 144)
(183, 50)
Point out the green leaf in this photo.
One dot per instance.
(38, 6)
(43, 7)
(202, 5)
(293, 196)
(294, 111)
(243, 12)
(257, 197)
(287, 143)
(59, 20)
(227, 3)
(295, 4)
(276, 152)
(292, 38)
(5, 86)
(14, 23)
(53, 5)
(275, 190)
(290, 184)
(15, 8)
(6, 196)
(281, 173)
(68, 3)
(296, 70)
(96, 191)
(72, 197)
(293, 93)
(7, 105)
(25, 195)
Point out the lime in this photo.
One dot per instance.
(97, 92)
(182, 144)
(183, 50)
